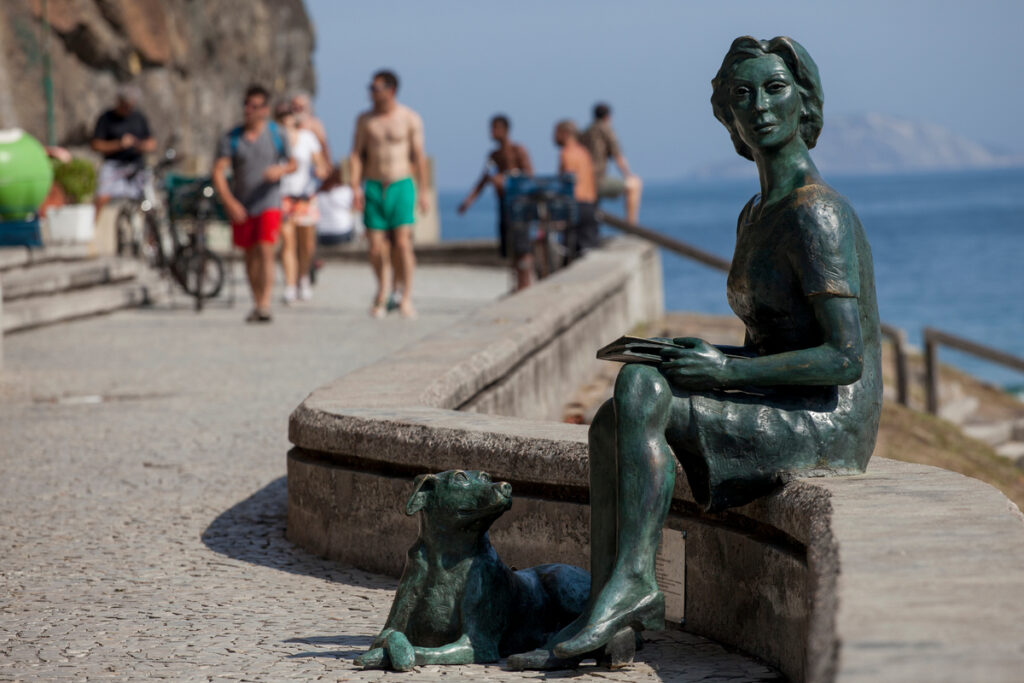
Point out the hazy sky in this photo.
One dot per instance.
(957, 64)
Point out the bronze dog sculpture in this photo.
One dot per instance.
(457, 602)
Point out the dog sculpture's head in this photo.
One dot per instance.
(457, 498)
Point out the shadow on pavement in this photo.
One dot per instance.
(357, 644)
(253, 531)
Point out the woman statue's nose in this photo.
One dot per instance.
(760, 100)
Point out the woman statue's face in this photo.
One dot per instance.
(765, 102)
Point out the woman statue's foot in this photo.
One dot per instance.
(606, 621)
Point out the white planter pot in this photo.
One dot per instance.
(72, 223)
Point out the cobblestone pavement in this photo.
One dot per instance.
(143, 498)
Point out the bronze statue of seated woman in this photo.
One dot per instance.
(801, 397)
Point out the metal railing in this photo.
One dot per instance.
(674, 245)
(897, 336)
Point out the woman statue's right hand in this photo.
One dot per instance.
(694, 365)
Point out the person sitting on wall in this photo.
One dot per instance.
(122, 136)
(600, 139)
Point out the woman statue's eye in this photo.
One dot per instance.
(776, 86)
(741, 91)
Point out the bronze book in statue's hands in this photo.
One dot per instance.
(628, 349)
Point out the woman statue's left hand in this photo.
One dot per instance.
(696, 365)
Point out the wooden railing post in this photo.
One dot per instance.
(899, 350)
(931, 373)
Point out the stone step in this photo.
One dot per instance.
(958, 410)
(35, 311)
(992, 433)
(60, 276)
(21, 257)
(1014, 450)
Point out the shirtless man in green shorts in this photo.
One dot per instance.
(386, 155)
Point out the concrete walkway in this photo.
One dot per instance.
(142, 495)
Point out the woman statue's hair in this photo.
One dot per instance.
(799, 63)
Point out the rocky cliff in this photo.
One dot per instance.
(191, 59)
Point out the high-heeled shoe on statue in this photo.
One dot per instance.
(647, 615)
(617, 653)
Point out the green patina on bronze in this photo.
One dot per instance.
(802, 396)
(457, 602)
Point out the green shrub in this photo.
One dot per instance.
(77, 178)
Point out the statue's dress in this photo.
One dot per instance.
(742, 443)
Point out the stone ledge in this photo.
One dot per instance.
(904, 563)
(905, 573)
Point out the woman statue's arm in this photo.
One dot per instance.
(837, 360)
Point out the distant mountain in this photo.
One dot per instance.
(879, 143)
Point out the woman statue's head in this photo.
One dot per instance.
(803, 70)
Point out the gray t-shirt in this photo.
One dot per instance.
(249, 160)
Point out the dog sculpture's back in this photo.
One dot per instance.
(457, 602)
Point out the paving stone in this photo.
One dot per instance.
(143, 534)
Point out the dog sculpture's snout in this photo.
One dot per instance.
(504, 487)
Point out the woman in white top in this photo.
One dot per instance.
(334, 200)
(298, 207)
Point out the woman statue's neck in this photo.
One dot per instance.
(782, 171)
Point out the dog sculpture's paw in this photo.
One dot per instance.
(400, 652)
(376, 658)
(379, 640)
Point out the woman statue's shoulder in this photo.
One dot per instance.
(820, 208)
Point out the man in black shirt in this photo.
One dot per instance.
(122, 135)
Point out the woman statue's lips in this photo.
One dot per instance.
(765, 125)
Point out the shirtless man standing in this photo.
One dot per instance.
(387, 153)
(509, 157)
(574, 158)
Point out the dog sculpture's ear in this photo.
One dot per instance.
(424, 486)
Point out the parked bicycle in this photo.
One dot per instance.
(156, 230)
(548, 204)
(134, 213)
(195, 266)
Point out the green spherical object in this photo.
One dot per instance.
(25, 174)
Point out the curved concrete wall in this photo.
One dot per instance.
(906, 573)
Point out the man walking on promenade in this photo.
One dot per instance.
(509, 157)
(121, 135)
(575, 159)
(600, 139)
(386, 154)
(257, 153)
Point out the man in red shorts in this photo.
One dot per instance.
(257, 152)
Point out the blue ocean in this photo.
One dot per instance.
(948, 249)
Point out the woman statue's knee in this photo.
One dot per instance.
(603, 424)
(641, 388)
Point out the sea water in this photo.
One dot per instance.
(948, 249)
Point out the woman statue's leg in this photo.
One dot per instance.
(645, 478)
(604, 492)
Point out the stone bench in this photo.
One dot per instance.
(906, 573)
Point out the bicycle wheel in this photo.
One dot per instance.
(124, 229)
(200, 272)
(152, 248)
